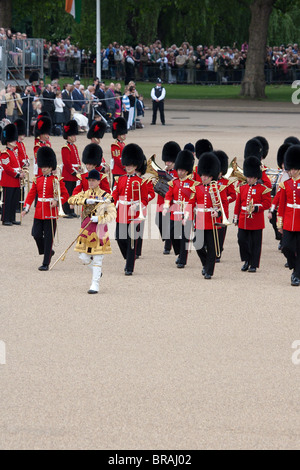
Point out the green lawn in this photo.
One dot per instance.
(282, 93)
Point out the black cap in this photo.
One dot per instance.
(93, 175)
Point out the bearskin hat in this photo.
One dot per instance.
(142, 169)
(21, 126)
(280, 154)
(43, 126)
(92, 154)
(292, 158)
(46, 158)
(202, 146)
(170, 151)
(44, 114)
(185, 161)
(292, 140)
(33, 77)
(190, 147)
(253, 148)
(223, 159)
(9, 134)
(97, 130)
(209, 165)
(132, 155)
(265, 145)
(252, 167)
(70, 128)
(119, 127)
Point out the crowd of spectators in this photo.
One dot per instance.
(97, 101)
(174, 64)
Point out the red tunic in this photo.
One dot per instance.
(179, 195)
(289, 205)
(265, 179)
(11, 168)
(202, 205)
(116, 155)
(161, 199)
(195, 176)
(38, 144)
(23, 157)
(83, 184)
(71, 162)
(150, 192)
(124, 196)
(261, 196)
(43, 188)
(226, 187)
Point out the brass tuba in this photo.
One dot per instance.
(236, 172)
(160, 177)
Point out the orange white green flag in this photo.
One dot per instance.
(74, 8)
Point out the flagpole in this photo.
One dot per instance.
(98, 41)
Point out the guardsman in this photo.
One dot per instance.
(11, 175)
(93, 241)
(22, 154)
(92, 159)
(288, 218)
(176, 200)
(201, 146)
(282, 176)
(169, 153)
(255, 148)
(151, 195)
(205, 203)
(119, 131)
(42, 131)
(129, 195)
(71, 162)
(253, 199)
(95, 134)
(51, 194)
(229, 194)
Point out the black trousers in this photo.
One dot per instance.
(205, 248)
(180, 236)
(124, 232)
(43, 232)
(139, 244)
(291, 250)
(278, 235)
(155, 107)
(163, 224)
(250, 246)
(70, 185)
(11, 201)
(222, 235)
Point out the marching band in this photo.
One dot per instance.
(192, 200)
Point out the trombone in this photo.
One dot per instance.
(217, 203)
(141, 216)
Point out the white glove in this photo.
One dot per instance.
(112, 164)
(94, 219)
(91, 201)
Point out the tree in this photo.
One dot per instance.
(5, 13)
(253, 84)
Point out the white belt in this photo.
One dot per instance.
(294, 206)
(127, 203)
(244, 208)
(200, 209)
(178, 212)
(45, 199)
